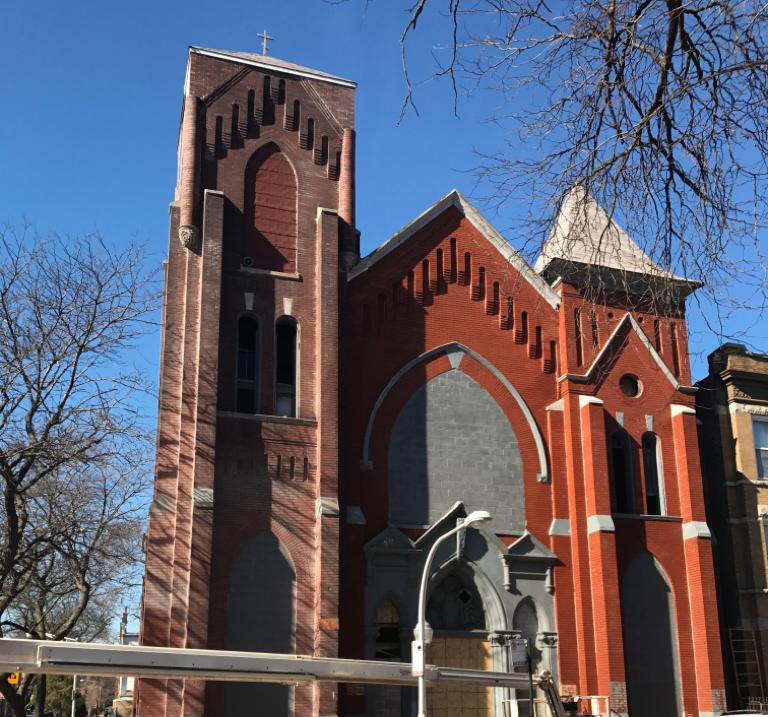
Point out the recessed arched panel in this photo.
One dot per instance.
(650, 640)
(270, 210)
(452, 442)
(260, 618)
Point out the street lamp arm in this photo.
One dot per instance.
(421, 615)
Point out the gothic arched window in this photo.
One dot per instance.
(654, 487)
(247, 365)
(285, 366)
(621, 463)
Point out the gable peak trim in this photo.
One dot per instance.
(455, 199)
(628, 319)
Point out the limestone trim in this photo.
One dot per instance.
(448, 349)
(696, 529)
(290, 275)
(203, 498)
(556, 406)
(327, 507)
(678, 410)
(560, 526)
(455, 199)
(600, 524)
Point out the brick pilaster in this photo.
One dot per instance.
(710, 686)
(606, 602)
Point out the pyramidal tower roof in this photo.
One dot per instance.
(584, 234)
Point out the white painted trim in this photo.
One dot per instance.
(560, 526)
(455, 199)
(556, 406)
(274, 68)
(365, 461)
(678, 409)
(696, 529)
(600, 523)
(590, 400)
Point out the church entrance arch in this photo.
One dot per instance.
(457, 614)
(650, 640)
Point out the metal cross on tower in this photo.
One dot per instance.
(264, 37)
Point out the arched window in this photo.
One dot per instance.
(621, 463)
(285, 367)
(247, 365)
(654, 487)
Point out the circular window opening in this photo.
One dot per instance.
(630, 385)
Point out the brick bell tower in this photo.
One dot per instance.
(242, 544)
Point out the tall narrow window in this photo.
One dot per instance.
(247, 365)
(760, 434)
(654, 489)
(621, 462)
(285, 367)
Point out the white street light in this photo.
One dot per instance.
(422, 634)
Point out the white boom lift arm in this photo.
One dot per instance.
(45, 656)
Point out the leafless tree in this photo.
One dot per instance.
(73, 440)
(658, 109)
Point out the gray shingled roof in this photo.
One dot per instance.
(268, 60)
(584, 233)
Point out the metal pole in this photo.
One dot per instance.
(417, 646)
(530, 677)
(74, 693)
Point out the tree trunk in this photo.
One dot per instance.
(40, 692)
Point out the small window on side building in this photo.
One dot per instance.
(760, 434)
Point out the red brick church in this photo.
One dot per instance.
(324, 417)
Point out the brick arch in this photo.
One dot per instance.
(455, 353)
(270, 210)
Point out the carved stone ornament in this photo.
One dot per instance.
(187, 235)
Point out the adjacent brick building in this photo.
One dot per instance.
(732, 407)
(323, 418)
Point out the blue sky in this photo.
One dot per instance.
(91, 95)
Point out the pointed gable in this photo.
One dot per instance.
(625, 326)
(454, 199)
